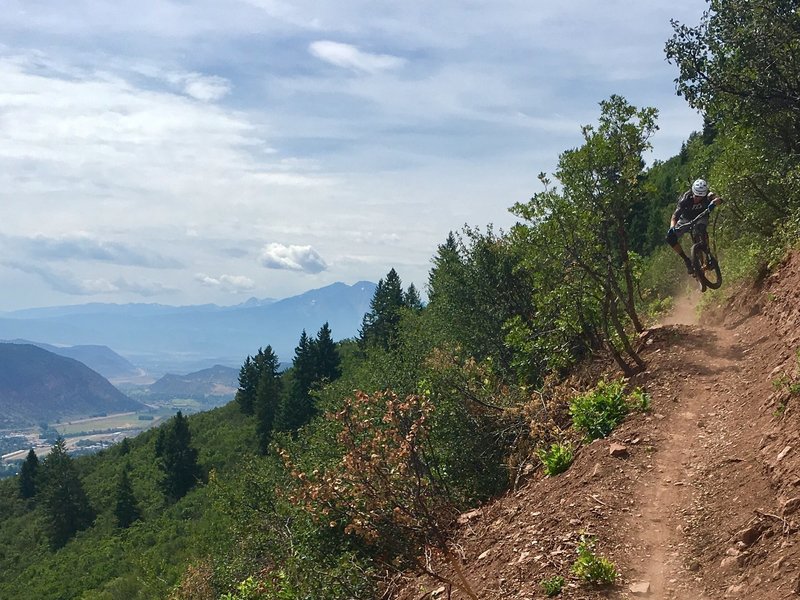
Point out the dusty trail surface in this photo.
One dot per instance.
(701, 499)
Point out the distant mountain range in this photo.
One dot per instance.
(164, 339)
(39, 386)
(102, 359)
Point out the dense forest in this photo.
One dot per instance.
(329, 478)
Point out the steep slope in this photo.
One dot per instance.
(39, 386)
(701, 501)
(217, 381)
(98, 358)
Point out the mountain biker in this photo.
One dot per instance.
(691, 204)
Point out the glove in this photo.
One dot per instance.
(671, 230)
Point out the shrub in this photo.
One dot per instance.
(598, 411)
(552, 586)
(592, 568)
(639, 400)
(557, 458)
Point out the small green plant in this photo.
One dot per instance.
(552, 586)
(592, 568)
(557, 458)
(597, 412)
(639, 400)
(781, 408)
(249, 589)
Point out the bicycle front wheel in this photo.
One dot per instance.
(706, 266)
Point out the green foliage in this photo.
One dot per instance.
(250, 589)
(267, 398)
(29, 475)
(598, 411)
(557, 458)
(748, 82)
(126, 509)
(590, 567)
(177, 458)
(577, 239)
(639, 400)
(380, 325)
(477, 285)
(64, 501)
(552, 586)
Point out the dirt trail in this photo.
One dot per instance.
(696, 437)
(703, 503)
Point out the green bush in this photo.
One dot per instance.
(557, 458)
(592, 568)
(639, 400)
(552, 586)
(597, 412)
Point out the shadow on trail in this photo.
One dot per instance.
(689, 337)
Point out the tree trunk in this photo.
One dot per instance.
(630, 303)
(626, 344)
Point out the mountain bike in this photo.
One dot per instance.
(705, 264)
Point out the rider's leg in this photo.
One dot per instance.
(672, 240)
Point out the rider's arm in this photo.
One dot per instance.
(675, 216)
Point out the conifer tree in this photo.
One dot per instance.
(411, 299)
(380, 325)
(297, 408)
(28, 476)
(248, 382)
(126, 509)
(267, 397)
(176, 457)
(327, 365)
(65, 503)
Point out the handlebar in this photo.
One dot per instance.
(690, 224)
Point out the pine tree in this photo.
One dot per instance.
(267, 398)
(176, 457)
(248, 382)
(28, 476)
(411, 299)
(380, 325)
(297, 408)
(124, 447)
(65, 503)
(126, 510)
(327, 363)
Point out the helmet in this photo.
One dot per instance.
(700, 187)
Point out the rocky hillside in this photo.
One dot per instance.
(218, 382)
(699, 498)
(38, 386)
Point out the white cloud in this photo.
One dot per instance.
(84, 246)
(186, 134)
(231, 283)
(207, 89)
(292, 258)
(67, 283)
(350, 57)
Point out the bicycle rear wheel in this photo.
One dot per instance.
(706, 266)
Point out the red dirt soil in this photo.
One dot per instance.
(704, 505)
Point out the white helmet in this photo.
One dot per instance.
(700, 187)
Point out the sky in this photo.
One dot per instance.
(208, 151)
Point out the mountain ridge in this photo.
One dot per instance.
(184, 339)
(40, 386)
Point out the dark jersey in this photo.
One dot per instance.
(687, 209)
